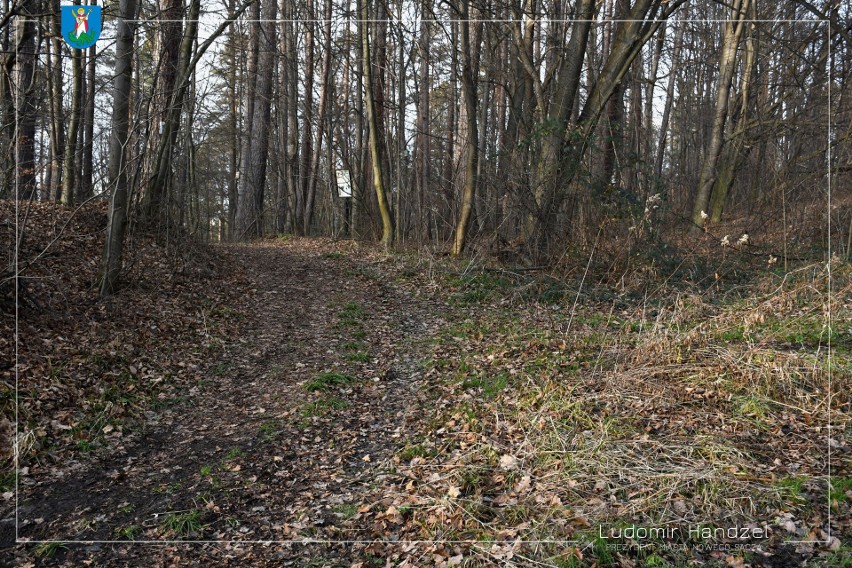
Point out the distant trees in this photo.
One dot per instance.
(530, 125)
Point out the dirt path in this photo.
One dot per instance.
(286, 438)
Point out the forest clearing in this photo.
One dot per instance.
(312, 402)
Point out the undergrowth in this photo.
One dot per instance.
(554, 410)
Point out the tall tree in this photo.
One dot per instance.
(87, 165)
(117, 169)
(734, 27)
(373, 129)
(422, 141)
(55, 110)
(169, 31)
(25, 119)
(469, 96)
(256, 146)
(307, 121)
(313, 174)
(71, 170)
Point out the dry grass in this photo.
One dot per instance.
(696, 415)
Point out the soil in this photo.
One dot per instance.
(312, 402)
(249, 454)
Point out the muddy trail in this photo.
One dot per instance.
(285, 438)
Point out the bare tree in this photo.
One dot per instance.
(730, 43)
(373, 128)
(469, 95)
(117, 171)
(256, 146)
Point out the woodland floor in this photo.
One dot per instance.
(299, 402)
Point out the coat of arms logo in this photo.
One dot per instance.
(81, 25)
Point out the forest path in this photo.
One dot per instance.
(286, 438)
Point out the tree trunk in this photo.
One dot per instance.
(87, 175)
(730, 43)
(57, 116)
(422, 147)
(736, 153)
(70, 178)
(307, 121)
(291, 69)
(373, 128)
(472, 159)
(321, 120)
(667, 109)
(25, 93)
(234, 134)
(256, 146)
(165, 81)
(117, 174)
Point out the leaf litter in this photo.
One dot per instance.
(217, 399)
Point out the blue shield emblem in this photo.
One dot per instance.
(81, 25)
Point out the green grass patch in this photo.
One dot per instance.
(219, 369)
(323, 406)
(792, 487)
(841, 558)
(491, 385)
(233, 454)
(477, 288)
(351, 310)
(751, 407)
(130, 532)
(359, 357)
(600, 548)
(346, 510)
(411, 452)
(269, 430)
(166, 403)
(839, 488)
(326, 381)
(49, 549)
(183, 524)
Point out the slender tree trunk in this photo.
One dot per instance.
(733, 158)
(234, 134)
(171, 124)
(551, 161)
(87, 177)
(470, 103)
(667, 109)
(291, 66)
(321, 119)
(424, 202)
(373, 127)
(307, 120)
(730, 43)
(57, 116)
(401, 177)
(25, 93)
(71, 174)
(117, 174)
